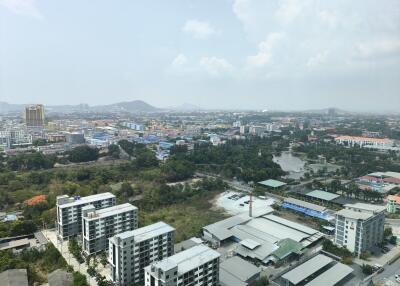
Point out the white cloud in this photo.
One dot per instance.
(22, 7)
(289, 10)
(216, 66)
(179, 61)
(378, 48)
(265, 49)
(199, 29)
(318, 59)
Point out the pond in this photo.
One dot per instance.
(291, 164)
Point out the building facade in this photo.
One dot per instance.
(69, 211)
(359, 227)
(195, 266)
(99, 225)
(34, 115)
(130, 252)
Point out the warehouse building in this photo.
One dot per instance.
(100, 225)
(267, 239)
(130, 252)
(306, 208)
(319, 270)
(69, 211)
(198, 265)
(237, 271)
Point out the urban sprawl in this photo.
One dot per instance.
(198, 197)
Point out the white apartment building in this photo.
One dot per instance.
(377, 143)
(359, 227)
(14, 137)
(69, 211)
(195, 266)
(99, 225)
(130, 252)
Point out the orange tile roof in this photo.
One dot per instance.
(36, 200)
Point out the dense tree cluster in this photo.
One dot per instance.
(248, 160)
(30, 161)
(83, 153)
(38, 263)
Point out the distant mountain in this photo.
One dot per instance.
(127, 106)
(10, 108)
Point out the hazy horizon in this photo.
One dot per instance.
(227, 54)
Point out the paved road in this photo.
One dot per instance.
(63, 248)
(388, 274)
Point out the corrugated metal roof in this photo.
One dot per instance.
(332, 276)
(239, 268)
(249, 243)
(272, 183)
(309, 267)
(304, 204)
(322, 195)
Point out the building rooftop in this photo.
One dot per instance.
(354, 214)
(332, 276)
(110, 211)
(306, 269)
(366, 207)
(287, 246)
(322, 195)
(272, 183)
(357, 138)
(87, 200)
(14, 277)
(236, 268)
(304, 204)
(147, 232)
(188, 259)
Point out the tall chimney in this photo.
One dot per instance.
(251, 204)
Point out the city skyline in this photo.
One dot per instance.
(242, 54)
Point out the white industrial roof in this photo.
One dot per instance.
(188, 259)
(304, 204)
(112, 211)
(239, 268)
(88, 199)
(322, 195)
(291, 224)
(306, 269)
(332, 276)
(147, 232)
(249, 243)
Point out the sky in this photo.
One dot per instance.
(233, 54)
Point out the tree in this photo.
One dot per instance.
(126, 190)
(263, 281)
(39, 142)
(23, 227)
(146, 159)
(367, 269)
(79, 279)
(114, 151)
(83, 154)
(387, 232)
